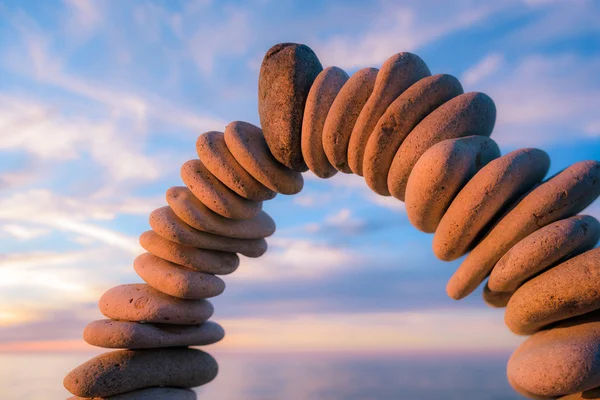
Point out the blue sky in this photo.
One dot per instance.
(101, 102)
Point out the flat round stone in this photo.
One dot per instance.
(562, 196)
(215, 195)
(194, 213)
(155, 393)
(593, 394)
(544, 248)
(166, 224)
(320, 98)
(565, 291)
(465, 115)
(397, 74)
(398, 121)
(496, 299)
(175, 280)
(123, 371)
(143, 303)
(440, 174)
(343, 115)
(558, 361)
(217, 158)
(134, 335)
(208, 261)
(247, 144)
(484, 197)
(287, 72)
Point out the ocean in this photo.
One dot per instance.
(307, 376)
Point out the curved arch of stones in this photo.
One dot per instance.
(411, 135)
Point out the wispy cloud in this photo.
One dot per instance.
(43, 132)
(540, 98)
(341, 221)
(483, 69)
(85, 16)
(43, 209)
(400, 27)
(24, 232)
(35, 59)
(229, 35)
(37, 284)
(289, 259)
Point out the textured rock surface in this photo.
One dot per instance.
(542, 249)
(558, 361)
(154, 393)
(143, 303)
(217, 158)
(287, 72)
(440, 174)
(465, 115)
(123, 371)
(176, 280)
(396, 75)
(320, 98)
(209, 261)
(215, 195)
(247, 144)
(166, 224)
(488, 193)
(343, 114)
(398, 121)
(561, 196)
(191, 211)
(567, 290)
(134, 335)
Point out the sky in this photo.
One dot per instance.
(102, 101)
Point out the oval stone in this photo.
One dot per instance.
(396, 75)
(143, 303)
(544, 248)
(441, 173)
(565, 291)
(343, 114)
(166, 224)
(123, 371)
(484, 197)
(496, 299)
(134, 335)
(176, 280)
(465, 115)
(217, 158)
(398, 121)
(247, 144)
(558, 361)
(208, 261)
(287, 72)
(194, 213)
(592, 394)
(155, 393)
(320, 98)
(214, 194)
(562, 196)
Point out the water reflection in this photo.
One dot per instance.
(294, 377)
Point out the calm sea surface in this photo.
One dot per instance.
(294, 377)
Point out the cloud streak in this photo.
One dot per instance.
(402, 27)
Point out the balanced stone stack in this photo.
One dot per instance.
(412, 135)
